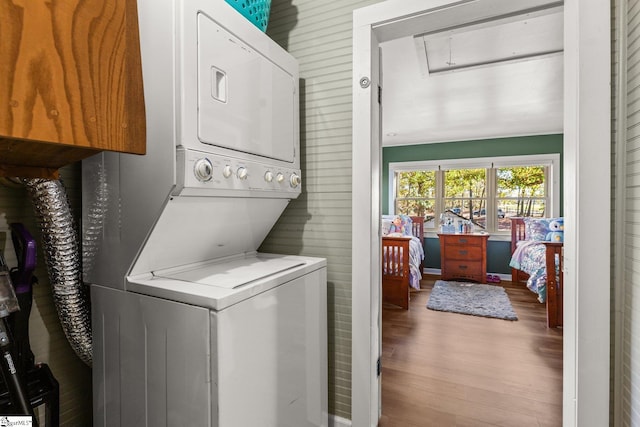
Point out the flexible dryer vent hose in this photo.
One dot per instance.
(62, 252)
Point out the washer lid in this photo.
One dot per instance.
(221, 283)
(234, 273)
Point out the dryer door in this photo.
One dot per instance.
(245, 101)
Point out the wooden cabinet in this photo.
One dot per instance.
(463, 256)
(70, 83)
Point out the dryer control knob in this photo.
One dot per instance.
(268, 176)
(242, 172)
(294, 180)
(203, 169)
(280, 177)
(227, 172)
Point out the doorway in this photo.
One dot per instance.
(586, 123)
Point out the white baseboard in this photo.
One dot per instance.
(336, 421)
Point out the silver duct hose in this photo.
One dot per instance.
(96, 205)
(61, 252)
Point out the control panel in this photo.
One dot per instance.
(216, 172)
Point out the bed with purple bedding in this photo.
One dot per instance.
(402, 258)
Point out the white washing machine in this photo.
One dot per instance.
(191, 325)
(235, 342)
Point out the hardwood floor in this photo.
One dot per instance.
(446, 369)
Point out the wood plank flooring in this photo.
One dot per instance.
(446, 369)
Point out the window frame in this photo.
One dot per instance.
(552, 184)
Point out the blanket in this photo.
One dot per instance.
(416, 255)
(529, 256)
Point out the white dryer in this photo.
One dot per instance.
(191, 325)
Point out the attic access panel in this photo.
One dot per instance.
(517, 38)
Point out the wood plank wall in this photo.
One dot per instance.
(48, 342)
(625, 401)
(318, 223)
(629, 413)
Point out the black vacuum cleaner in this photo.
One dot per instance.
(9, 366)
(25, 384)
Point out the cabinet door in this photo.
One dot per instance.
(70, 75)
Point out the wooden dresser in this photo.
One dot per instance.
(463, 256)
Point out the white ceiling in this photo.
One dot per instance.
(520, 97)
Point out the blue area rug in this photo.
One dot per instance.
(471, 298)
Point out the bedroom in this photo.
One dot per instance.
(475, 139)
(416, 331)
(587, 127)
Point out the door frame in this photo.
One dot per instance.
(586, 179)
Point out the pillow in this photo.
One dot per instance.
(538, 228)
(386, 226)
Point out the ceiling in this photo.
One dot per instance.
(492, 79)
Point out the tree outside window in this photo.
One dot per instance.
(465, 193)
(416, 195)
(521, 191)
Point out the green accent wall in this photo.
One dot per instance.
(498, 252)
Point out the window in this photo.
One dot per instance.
(521, 190)
(416, 193)
(486, 191)
(465, 191)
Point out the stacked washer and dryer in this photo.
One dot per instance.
(191, 325)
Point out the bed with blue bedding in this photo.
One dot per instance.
(536, 246)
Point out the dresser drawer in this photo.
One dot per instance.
(455, 268)
(470, 240)
(460, 252)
